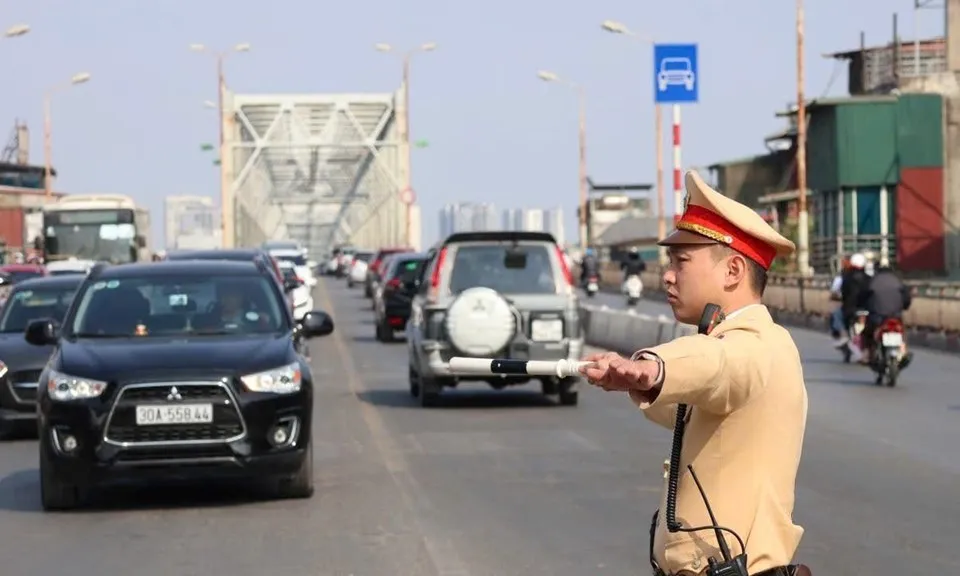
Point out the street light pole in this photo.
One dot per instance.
(547, 76)
(227, 208)
(615, 27)
(48, 131)
(803, 232)
(407, 195)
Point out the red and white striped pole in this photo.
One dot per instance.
(677, 167)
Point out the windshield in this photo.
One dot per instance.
(21, 275)
(364, 256)
(407, 271)
(25, 306)
(179, 306)
(295, 260)
(483, 265)
(114, 243)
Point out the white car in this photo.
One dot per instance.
(299, 261)
(302, 297)
(69, 266)
(359, 267)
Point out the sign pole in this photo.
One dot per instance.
(677, 166)
(676, 81)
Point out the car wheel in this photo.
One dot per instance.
(429, 393)
(300, 485)
(350, 283)
(414, 382)
(569, 395)
(55, 494)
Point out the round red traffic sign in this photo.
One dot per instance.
(408, 196)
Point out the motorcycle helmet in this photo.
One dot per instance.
(858, 261)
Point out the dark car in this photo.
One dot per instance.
(401, 282)
(21, 363)
(21, 272)
(375, 269)
(175, 371)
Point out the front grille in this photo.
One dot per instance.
(23, 385)
(122, 425)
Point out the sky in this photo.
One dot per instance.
(496, 133)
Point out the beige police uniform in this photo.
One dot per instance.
(747, 409)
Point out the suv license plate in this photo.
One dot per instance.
(151, 415)
(546, 330)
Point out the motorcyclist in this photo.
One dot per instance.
(633, 265)
(853, 289)
(887, 296)
(589, 266)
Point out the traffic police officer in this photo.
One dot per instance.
(743, 384)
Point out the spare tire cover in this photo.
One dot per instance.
(480, 322)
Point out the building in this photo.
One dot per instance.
(468, 217)
(554, 225)
(191, 222)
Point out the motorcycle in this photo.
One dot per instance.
(593, 286)
(888, 352)
(633, 287)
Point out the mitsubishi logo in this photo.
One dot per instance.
(479, 306)
(174, 395)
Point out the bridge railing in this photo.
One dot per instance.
(936, 304)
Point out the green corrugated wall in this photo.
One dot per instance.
(920, 130)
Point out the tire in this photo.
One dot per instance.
(55, 494)
(379, 332)
(300, 485)
(569, 395)
(893, 372)
(429, 393)
(413, 381)
(350, 283)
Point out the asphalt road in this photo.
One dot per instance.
(503, 484)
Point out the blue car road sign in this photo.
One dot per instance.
(676, 79)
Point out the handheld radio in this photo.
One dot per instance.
(730, 565)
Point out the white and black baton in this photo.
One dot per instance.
(506, 367)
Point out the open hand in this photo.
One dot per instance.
(613, 372)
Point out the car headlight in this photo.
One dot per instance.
(3, 369)
(284, 380)
(64, 387)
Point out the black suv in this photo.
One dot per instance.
(21, 363)
(175, 370)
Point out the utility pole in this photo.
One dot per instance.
(803, 228)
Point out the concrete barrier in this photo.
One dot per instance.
(625, 332)
(936, 305)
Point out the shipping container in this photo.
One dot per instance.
(855, 211)
(920, 223)
(11, 227)
(853, 143)
(920, 130)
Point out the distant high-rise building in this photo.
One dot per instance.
(191, 222)
(532, 220)
(468, 217)
(554, 225)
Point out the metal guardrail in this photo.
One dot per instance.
(936, 305)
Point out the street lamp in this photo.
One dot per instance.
(226, 197)
(615, 27)
(407, 195)
(17, 30)
(76, 79)
(548, 76)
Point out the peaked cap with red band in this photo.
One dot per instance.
(709, 217)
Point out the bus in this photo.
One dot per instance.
(100, 227)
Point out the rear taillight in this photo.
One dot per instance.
(393, 284)
(375, 265)
(563, 266)
(892, 325)
(435, 276)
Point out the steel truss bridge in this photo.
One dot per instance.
(322, 169)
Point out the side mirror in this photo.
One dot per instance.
(5, 280)
(42, 332)
(289, 285)
(316, 323)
